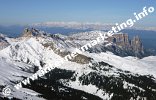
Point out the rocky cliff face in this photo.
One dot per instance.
(137, 45)
(133, 47)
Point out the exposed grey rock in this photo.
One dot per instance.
(3, 42)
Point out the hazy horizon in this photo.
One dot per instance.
(28, 12)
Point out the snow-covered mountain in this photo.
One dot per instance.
(90, 76)
(75, 25)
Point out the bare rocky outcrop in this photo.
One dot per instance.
(123, 41)
(3, 42)
(134, 46)
(137, 44)
(30, 32)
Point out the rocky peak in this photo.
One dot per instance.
(137, 44)
(121, 40)
(27, 33)
(2, 37)
(3, 42)
(133, 46)
(30, 32)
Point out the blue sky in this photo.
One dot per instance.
(103, 11)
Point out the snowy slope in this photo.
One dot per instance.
(140, 66)
(19, 60)
(12, 71)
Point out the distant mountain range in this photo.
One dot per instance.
(75, 25)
